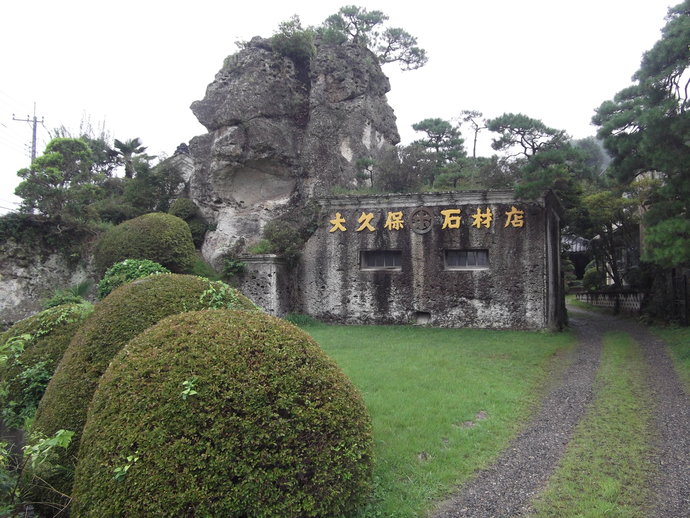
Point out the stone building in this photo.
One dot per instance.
(457, 259)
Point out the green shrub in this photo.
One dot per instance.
(187, 210)
(122, 315)
(127, 271)
(183, 208)
(234, 267)
(73, 295)
(223, 413)
(280, 238)
(202, 269)
(115, 210)
(198, 228)
(593, 280)
(263, 246)
(294, 42)
(163, 238)
(29, 353)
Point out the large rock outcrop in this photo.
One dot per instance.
(281, 131)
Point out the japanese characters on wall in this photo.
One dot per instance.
(478, 259)
(421, 219)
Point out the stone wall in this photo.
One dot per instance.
(519, 288)
(267, 283)
(29, 276)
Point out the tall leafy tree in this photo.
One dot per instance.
(646, 129)
(443, 143)
(520, 135)
(608, 218)
(544, 156)
(61, 183)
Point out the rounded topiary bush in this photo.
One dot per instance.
(127, 271)
(29, 353)
(159, 237)
(183, 208)
(223, 413)
(126, 312)
(187, 210)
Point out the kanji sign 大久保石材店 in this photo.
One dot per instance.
(421, 220)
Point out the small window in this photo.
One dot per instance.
(466, 259)
(380, 259)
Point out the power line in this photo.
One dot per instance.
(11, 139)
(8, 96)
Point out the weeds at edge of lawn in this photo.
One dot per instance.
(444, 402)
(607, 465)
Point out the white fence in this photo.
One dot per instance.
(625, 302)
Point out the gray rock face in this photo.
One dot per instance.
(281, 132)
(27, 277)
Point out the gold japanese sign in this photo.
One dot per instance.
(421, 220)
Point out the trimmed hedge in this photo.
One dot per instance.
(118, 318)
(224, 413)
(159, 237)
(31, 350)
(184, 208)
(187, 210)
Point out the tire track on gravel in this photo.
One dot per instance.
(507, 487)
(672, 422)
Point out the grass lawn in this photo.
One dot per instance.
(607, 464)
(443, 402)
(678, 339)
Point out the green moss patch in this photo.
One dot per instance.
(223, 413)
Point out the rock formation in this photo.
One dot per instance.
(281, 131)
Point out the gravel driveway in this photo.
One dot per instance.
(507, 487)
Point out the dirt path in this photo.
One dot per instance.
(506, 488)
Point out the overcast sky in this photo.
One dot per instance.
(136, 66)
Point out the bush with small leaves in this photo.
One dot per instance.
(127, 271)
(224, 413)
(126, 312)
(29, 353)
(198, 227)
(163, 238)
(183, 208)
(187, 210)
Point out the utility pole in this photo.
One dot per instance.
(34, 122)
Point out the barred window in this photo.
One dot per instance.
(380, 260)
(466, 259)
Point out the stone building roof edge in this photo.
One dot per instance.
(427, 198)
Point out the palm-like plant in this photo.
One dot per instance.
(126, 150)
